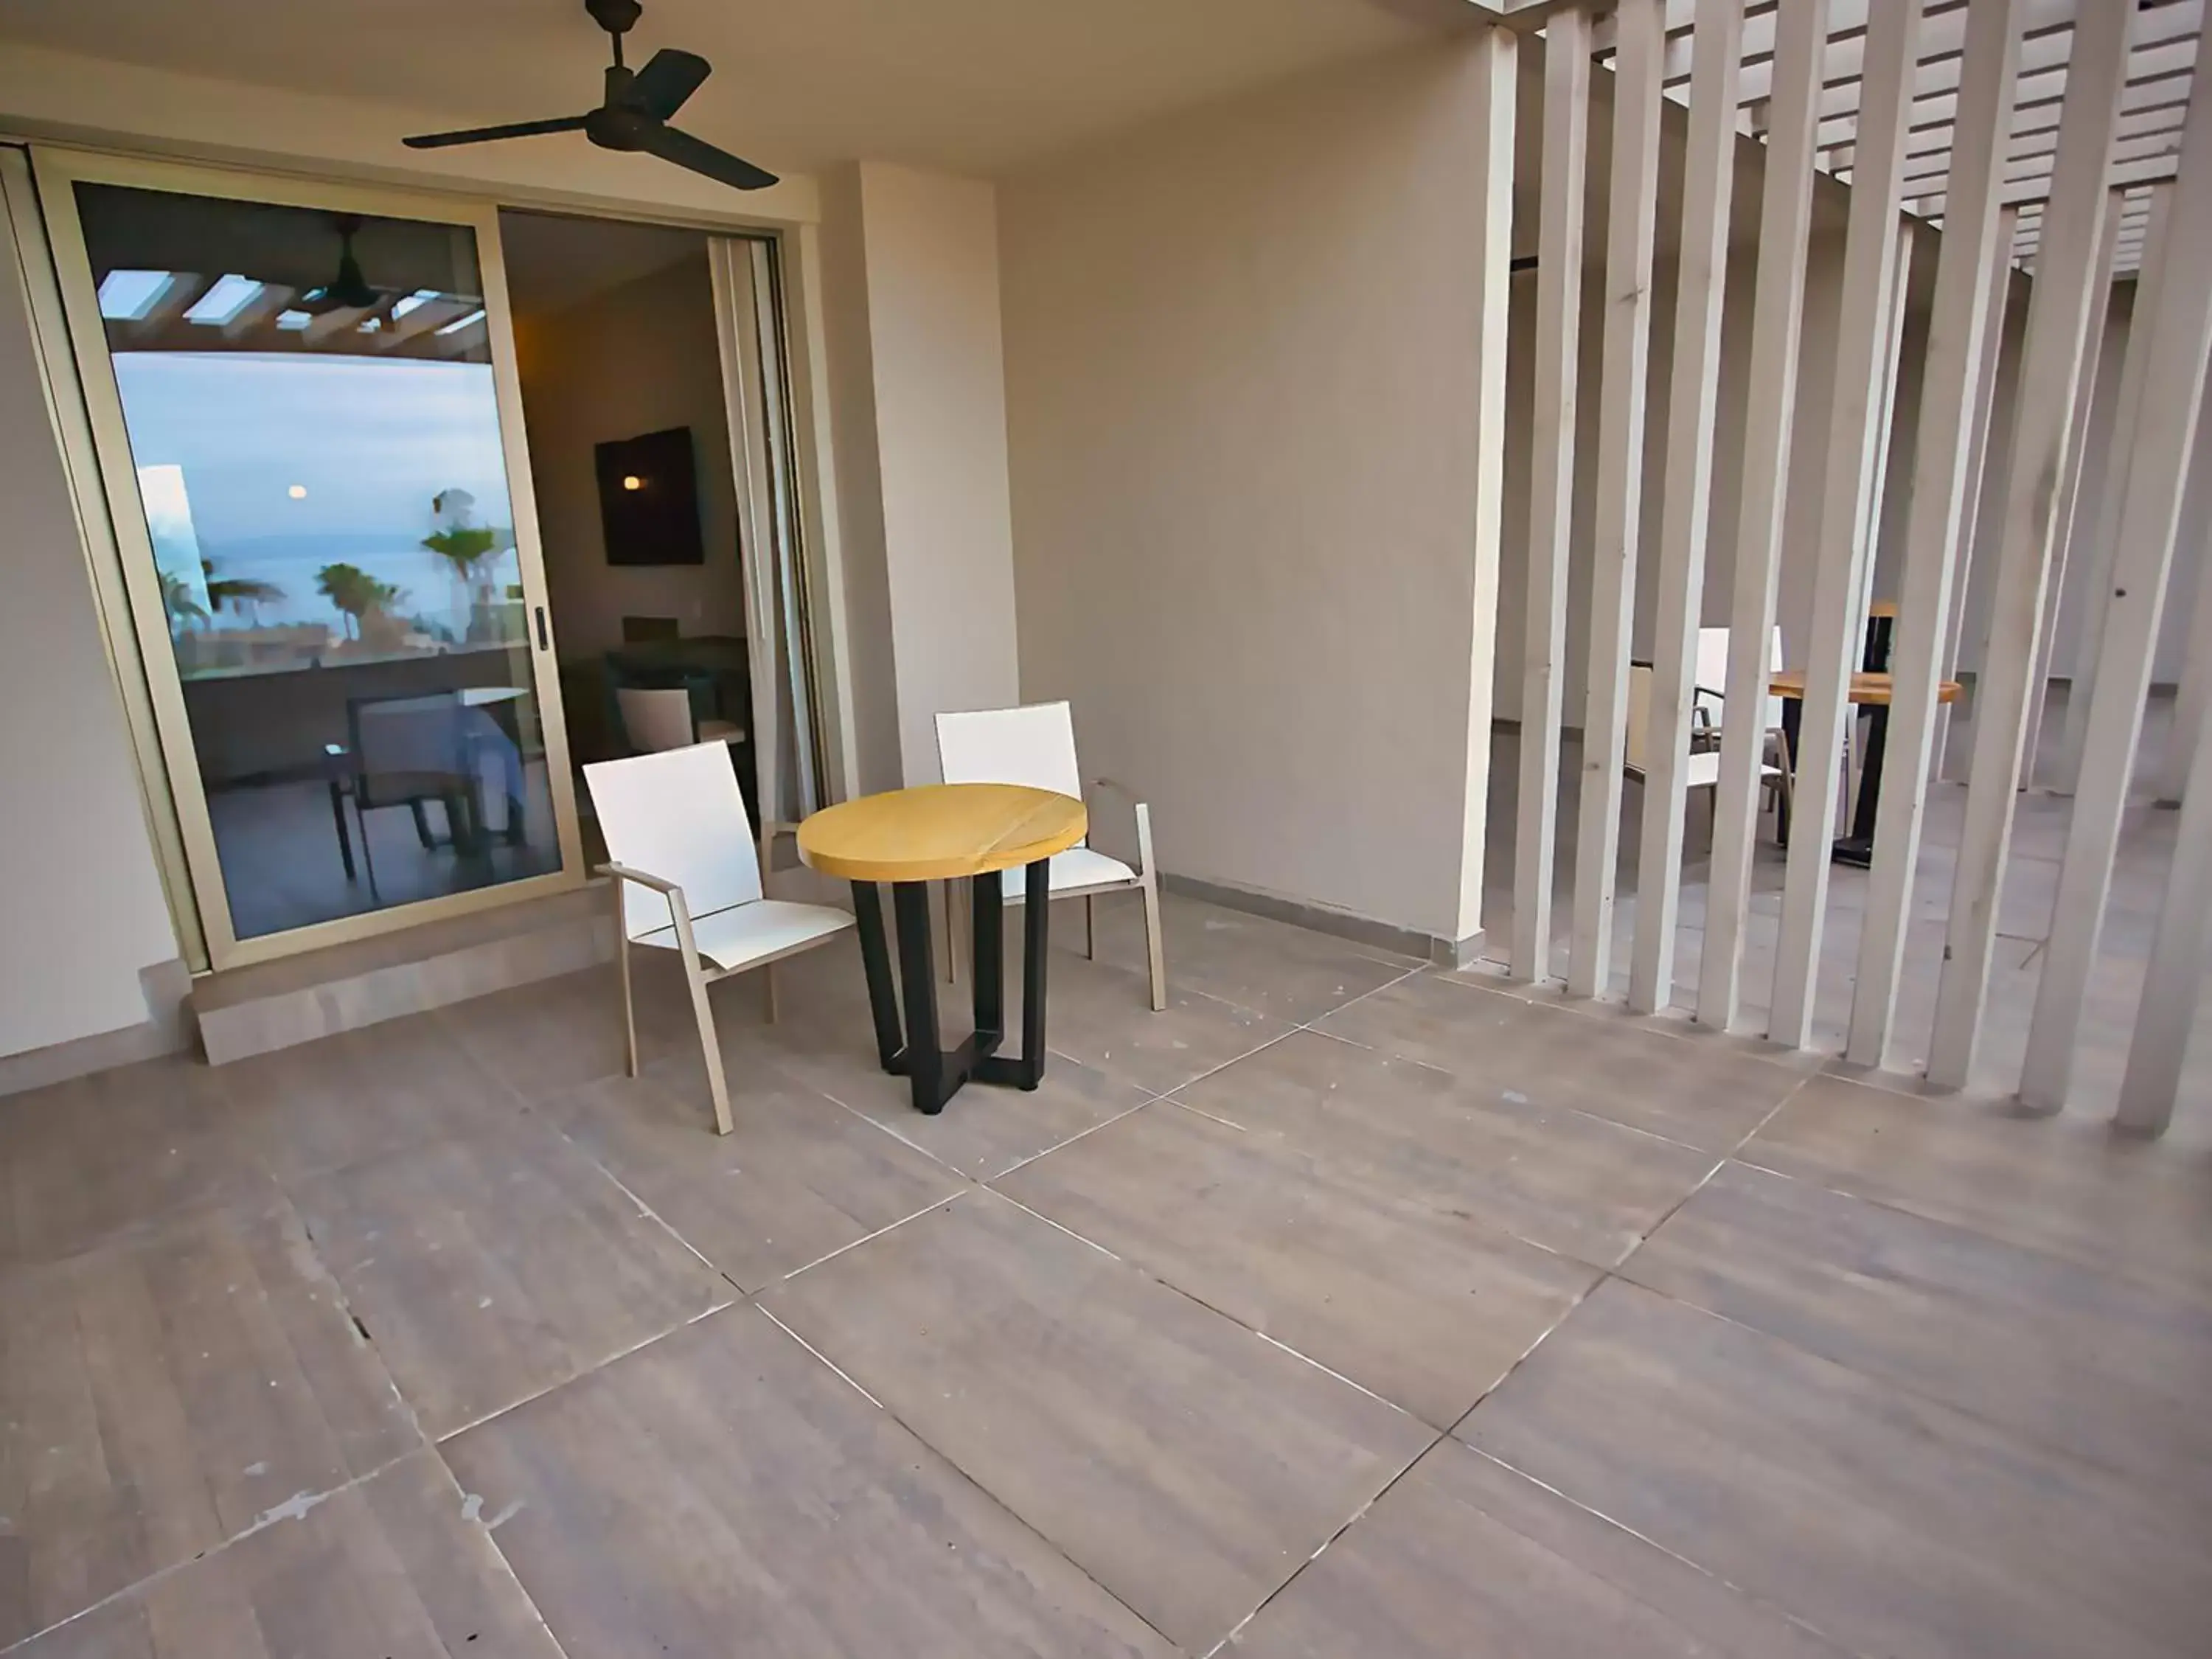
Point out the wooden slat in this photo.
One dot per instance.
(2192, 702)
(1777, 321)
(2174, 977)
(1694, 390)
(1551, 484)
(2065, 530)
(1969, 307)
(1862, 335)
(2059, 314)
(1634, 185)
(2173, 340)
(1496, 54)
(2103, 546)
(1984, 409)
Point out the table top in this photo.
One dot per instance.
(1865, 687)
(939, 831)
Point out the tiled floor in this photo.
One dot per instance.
(1344, 1309)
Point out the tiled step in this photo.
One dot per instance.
(278, 1005)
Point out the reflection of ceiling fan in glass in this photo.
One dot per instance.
(634, 114)
(348, 290)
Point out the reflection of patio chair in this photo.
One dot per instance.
(409, 750)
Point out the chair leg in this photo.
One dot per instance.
(622, 961)
(1156, 960)
(713, 1049)
(1091, 925)
(768, 990)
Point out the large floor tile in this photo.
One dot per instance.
(1572, 1182)
(554, 1033)
(1101, 1017)
(800, 1175)
(984, 1130)
(323, 1105)
(724, 1490)
(2024, 1339)
(1291, 973)
(1464, 1557)
(488, 1269)
(1410, 1294)
(1894, 1524)
(158, 1396)
(389, 1569)
(1185, 1463)
(1697, 1093)
(2138, 1209)
(92, 1159)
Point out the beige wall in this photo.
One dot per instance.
(82, 911)
(640, 358)
(910, 275)
(1240, 385)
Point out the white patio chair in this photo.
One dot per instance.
(687, 878)
(1701, 767)
(1036, 745)
(1711, 700)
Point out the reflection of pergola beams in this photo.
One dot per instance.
(260, 313)
(183, 292)
(349, 319)
(430, 315)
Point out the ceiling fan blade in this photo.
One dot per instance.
(663, 84)
(701, 156)
(485, 134)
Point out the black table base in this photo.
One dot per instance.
(936, 1074)
(1857, 848)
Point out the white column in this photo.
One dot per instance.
(1854, 425)
(2059, 316)
(1777, 319)
(1969, 307)
(1693, 389)
(2172, 341)
(1637, 63)
(1552, 483)
(1496, 54)
(2192, 702)
(2174, 977)
(2127, 407)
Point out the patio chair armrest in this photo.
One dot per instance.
(624, 872)
(1144, 816)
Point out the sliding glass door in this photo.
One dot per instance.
(304, 403)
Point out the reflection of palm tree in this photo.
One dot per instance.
(460, 543)
(243, 594)
(355, 592)
(182, 601)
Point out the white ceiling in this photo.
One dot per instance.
(553, 263)
(980, 86)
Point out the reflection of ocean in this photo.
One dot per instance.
(430, 588)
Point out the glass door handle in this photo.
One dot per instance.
(542, 641)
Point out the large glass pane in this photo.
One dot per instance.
(312, 418)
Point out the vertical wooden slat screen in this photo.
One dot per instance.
(2173, 340)
(1497, 67)
(1969, 307)
(2192, 700)
(1862, 335)
(1978, 473)
(1778, 320)
(2060, 310)
(1551, 485)
(1634, 183)
(2175, 974)
(2069, 532)
(1694, 390)
(2127, 413)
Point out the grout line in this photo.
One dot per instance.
(595, 1366)
(1149, 1099)
(934, 1204)
(1185, 1106)
(1275, 1342)
(1056, 1227)
(830, 1363)
(491, 1537)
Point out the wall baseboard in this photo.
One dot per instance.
(1321, 918)
(167, 1029)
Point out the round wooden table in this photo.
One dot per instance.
(948, 832)
(1872, 690)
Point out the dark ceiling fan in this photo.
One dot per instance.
(348, 290)
(635, 111)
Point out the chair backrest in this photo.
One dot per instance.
(1712, 675)
(654, 720)
(677, 815)
(407, 747)
(1033, 744)
(1638, 745)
